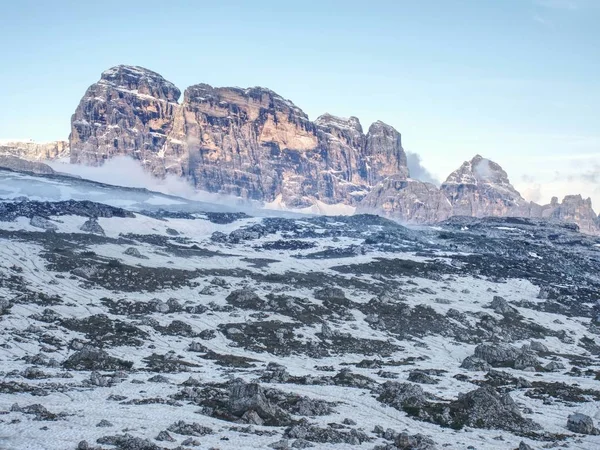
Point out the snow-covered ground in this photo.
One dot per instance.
(407, 300)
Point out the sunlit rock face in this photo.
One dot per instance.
(130, 111)
(251, 143)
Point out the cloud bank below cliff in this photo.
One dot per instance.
(418, 171)
(127, 172)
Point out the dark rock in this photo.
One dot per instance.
(90, 358)
(473, 363)
(132, 251)
(501, 306)
(485, 408)
(45, 224)
(92, 226)
(418, 376)
(104, 424)
(164, 436)
(189, 429)
(326, 435)
(401, 395)
(582, 424)
(250, 396)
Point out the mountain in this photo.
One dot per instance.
(251, 143)
(130, 327)
(480, 187)
(254, 144)
(574, 209)
(35, 151)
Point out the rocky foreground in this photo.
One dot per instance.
(165, 329)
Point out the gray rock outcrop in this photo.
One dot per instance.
(92, 226)
(23, 165)
(582, 424)
(407, 200)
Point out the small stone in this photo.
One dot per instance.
(132, 251)
(283, 444)
(104, 423)
(164, 436)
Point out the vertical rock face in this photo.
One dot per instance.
(574, 209)
(129, 111)
(408, 200)
(251, 143)
(247, 142)
(35, 151)
(384, 155)
(480, 187)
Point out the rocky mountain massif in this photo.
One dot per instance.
(254, 144)
(246, 142)
(164, 326)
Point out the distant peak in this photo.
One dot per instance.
(380, 126)
(330, 120)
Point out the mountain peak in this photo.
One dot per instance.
(329, 120)
(141, 81)
(480, 187)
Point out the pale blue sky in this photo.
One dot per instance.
(514, 80)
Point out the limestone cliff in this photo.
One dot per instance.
(251, 142)
(407, 200)
(575, 209)
(128, 112)
(257, 145)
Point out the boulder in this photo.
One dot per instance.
(92, 226)
(582, 424)
(43, 223)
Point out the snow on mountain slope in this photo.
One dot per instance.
(204, 329)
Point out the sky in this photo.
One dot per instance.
(516, 81)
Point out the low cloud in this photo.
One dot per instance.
(127, 172)
(483, 169)
(418, 171)
(533, 193)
